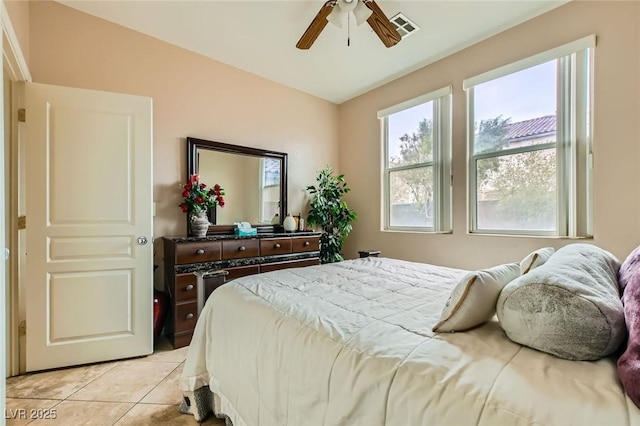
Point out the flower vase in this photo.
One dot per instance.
(199, 224)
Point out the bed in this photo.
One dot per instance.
(351, 343)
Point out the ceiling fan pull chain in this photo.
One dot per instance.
(348, 29)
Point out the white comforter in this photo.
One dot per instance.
(351, 344)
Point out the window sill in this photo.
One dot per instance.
(538, 236)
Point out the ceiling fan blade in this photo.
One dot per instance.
(381, 25)
(316, 26)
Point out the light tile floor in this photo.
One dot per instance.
(141, 391)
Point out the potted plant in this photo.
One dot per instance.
(328, 211)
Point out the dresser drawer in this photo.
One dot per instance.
(268, 267)
(272, 246)
(186, 316)
(201, 251)
(235, 249)
(183, 339)
(242, 271)
(305, 244)
(186, 287)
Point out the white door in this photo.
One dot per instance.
(89, 288)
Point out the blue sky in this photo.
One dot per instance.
(523, 95)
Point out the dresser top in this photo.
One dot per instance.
(218, 237)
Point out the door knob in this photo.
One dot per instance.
(142, 240)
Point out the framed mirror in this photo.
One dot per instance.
(254, 180)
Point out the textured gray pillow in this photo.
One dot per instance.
(569, 307)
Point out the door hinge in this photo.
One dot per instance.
(22, 328)
(22, 222)
(22, 115)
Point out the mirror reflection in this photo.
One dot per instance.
(251, 185)
(254, 180)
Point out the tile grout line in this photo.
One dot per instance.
(91, 381)
(125, 413)
(144, 396)
(159, 383)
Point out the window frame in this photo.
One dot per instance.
(441, 162)
(574, 130)
(263, 186)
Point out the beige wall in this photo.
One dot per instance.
(616, 138)
(19, 15)
(192, 96)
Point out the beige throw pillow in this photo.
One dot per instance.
(535, 258)
(473, 300)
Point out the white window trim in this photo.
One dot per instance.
(574, 155)
(441, 162)
(540, 58)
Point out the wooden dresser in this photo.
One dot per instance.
(190, 262)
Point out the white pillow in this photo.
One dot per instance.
(473, 300)
(535, 258)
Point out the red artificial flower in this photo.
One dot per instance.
(199, 197)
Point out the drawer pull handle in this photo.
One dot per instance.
(276, 245)
(189, 287)
(306, 243)
(189, 315)
(242, 248)
(200, 251)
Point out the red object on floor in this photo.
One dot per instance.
(160, 305)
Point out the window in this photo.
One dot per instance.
(270, 188)
(530, 144)
(417, 163)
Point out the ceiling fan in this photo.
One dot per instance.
(364, 10)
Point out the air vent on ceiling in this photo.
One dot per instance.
(404, 25)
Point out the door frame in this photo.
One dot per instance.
(16, 69)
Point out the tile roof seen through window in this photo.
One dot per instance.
(534, 127)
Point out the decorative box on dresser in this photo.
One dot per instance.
(215, 259)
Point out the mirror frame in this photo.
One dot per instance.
(193, 144)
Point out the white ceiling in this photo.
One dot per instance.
(260, 36)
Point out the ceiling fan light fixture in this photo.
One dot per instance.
(342, 9)
(336, 17)
(362, 13)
